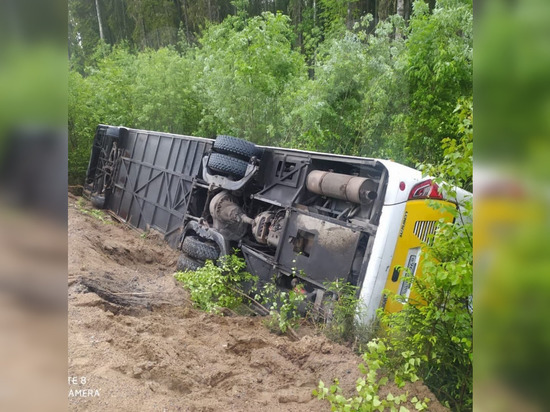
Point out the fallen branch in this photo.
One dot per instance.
(258, 304)
(110, 291)
(121, 220)
(290, 331)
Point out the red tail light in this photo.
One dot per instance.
(425, 190)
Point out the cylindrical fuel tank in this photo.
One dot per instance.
(345, 187)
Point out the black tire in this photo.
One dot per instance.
(239, 148)
(198, 249)
(185, 263)
(98, 201)
(226, 165)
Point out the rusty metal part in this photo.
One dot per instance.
(276, 230)
(345, 187)
(260, 227)
(229, 218)
(267, 228)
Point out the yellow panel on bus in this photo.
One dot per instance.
(419, 221)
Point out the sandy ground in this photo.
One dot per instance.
(136, 343)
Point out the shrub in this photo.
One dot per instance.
(376, 374)
(342, 322)
(215, 287)
(282, 306)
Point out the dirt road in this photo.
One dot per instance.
(136, 343)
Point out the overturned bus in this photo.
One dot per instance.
(292, 213)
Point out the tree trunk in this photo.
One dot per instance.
(125, 35)
(295, 9)
(401, 8)
(300, 30)
(407, 10)
(143, 36)
(400, 12)
(101, 36)
(186, 20)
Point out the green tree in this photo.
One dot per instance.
(439, 72)
(154, 90)
(382, 91)
(164, 97)
(357, 102)
(248, 66)
(82, 121)
(103, 95)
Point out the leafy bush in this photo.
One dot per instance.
(282, 306)
(228, 285)
(438, 326)
(215, 287)
(246, 67)
(376, 374)
(344, 311)
(102, 95)
(439, 72)
(153, 90)
(356, 102)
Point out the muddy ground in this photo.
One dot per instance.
(136, 343)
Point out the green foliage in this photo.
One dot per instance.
(152, 90)
(455, 170)
(82, 121)
(342, 323)
(226, 285)
(385, 102)
(384, 90)
(357, 102)
(333, 16)
(439, 72)
(246, 67)
(377, 372)
(103, 95)
(214, 287)
(439, 324)
(282, 306)
(164, 97)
